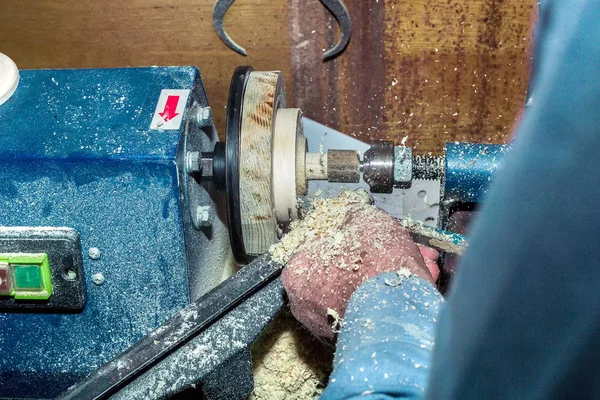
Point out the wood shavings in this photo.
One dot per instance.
(449, 247)
(336, 324)
(324, 220)
(402, 275)
(322, 274)
(289, 363)
(368, 324)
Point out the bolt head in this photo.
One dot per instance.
(204, 216)
(192, 162)
(204, 116)
(94, 253)
(98, 278)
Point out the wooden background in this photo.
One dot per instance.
(432, 70)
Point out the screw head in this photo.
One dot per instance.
(192, 162)
(204, 116)
(94, 253)
(204, 216)
(98, 278)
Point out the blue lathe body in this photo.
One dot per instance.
(100, 151)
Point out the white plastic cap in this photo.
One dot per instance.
(9, 78)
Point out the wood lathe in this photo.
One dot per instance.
(112, 242)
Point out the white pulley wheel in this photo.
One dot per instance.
(288, 129)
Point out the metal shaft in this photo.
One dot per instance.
(378, 167)
(428, 167)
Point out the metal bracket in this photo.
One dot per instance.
(335, 7)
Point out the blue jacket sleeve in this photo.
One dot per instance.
(384, 348)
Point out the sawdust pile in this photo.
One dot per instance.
(324, 219)
(289, 363)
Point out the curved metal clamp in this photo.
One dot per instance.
(335, 7)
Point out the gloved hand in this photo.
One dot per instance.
(325, 271)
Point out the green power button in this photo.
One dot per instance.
(28, 277)
(25, 276)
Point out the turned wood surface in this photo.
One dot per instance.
(288, 128)
(343, 166)
(316, 166)
(263, 96)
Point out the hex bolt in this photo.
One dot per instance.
(204, 216)
(192, 162)
(94, 253)
(403, 166)
(203, 116)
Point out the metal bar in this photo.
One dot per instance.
(444, 241)
(176, 332)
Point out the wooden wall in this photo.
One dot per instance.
(432, 70)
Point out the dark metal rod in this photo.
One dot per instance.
(428, 167)
(176, 332)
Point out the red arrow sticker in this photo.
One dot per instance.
(170, 109)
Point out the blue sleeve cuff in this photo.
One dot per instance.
(384, 348)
